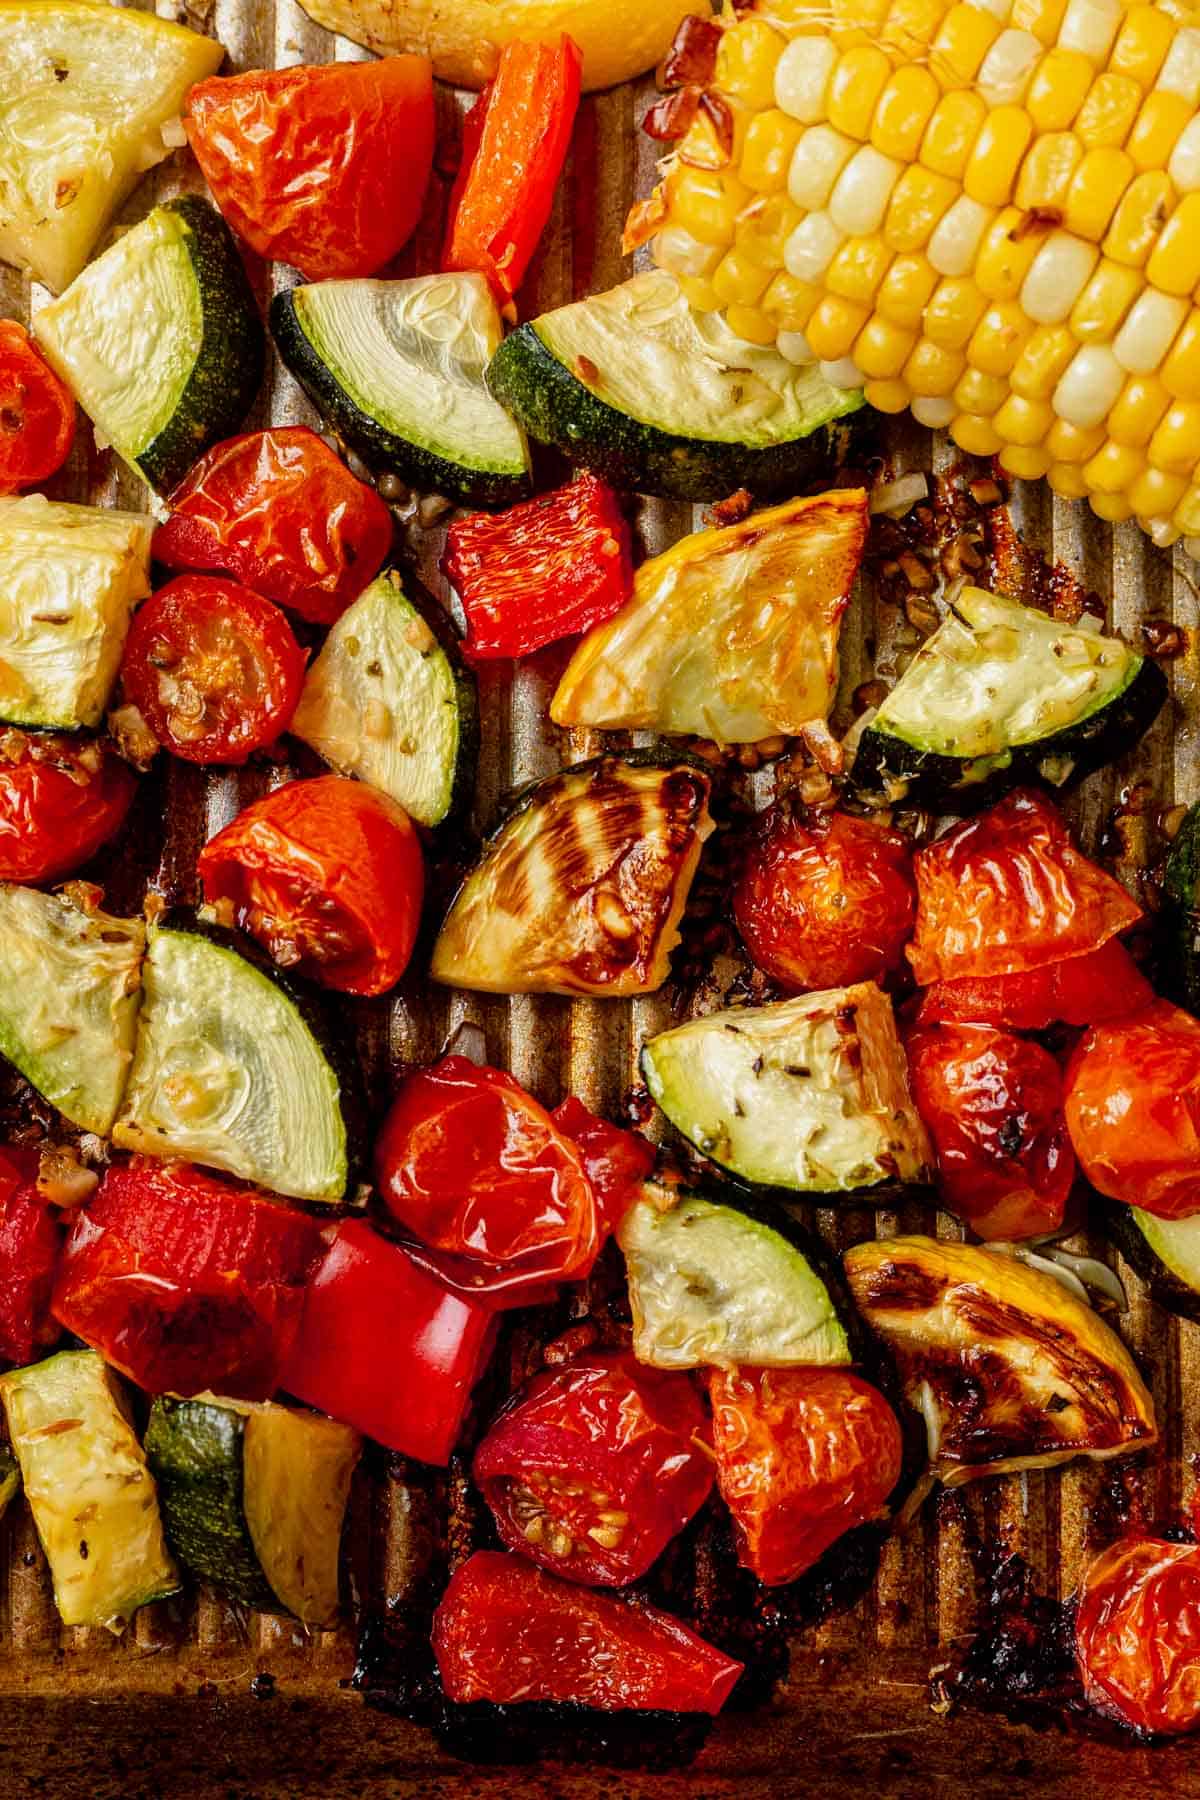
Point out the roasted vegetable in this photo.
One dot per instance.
(1179, 917)
(1133, 1109)
(38, 411)
(61, 798)
(1164, 1252)
(1136, 1633)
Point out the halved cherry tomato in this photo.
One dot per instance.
(507, 1632)
(213, 669)
(515, 141)
(1084, 990)
(825, 899)
(1008, 891)
(617, 1161)
(327, 875)
(1133, 1109)
(278, 510)
(60, 799)
(184, 1282)
(595, 1467)
(803, 1455)
(37, 412)
(496, 1197)
(30, 1241)
(543, 570)
(1137, 1634)
(992, 1103)
(324, 168)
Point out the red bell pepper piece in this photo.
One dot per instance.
(515, 141)
(617, 1161)
(543, 570)
(506, 1632)
(386, 1347)
(30, 1240)
(1085, 990)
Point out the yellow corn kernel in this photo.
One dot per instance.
(1174, 264)
(700, 295)
(1058, 89)
(738, 281)
(858, 268)
(1175, 445)
(834, 325)
(790, 301)
(1137, 410)
(1105, 300)
(1067, 481)
(1106, 116)
(999, 338)
(770, 139)
(932, 371)
(976, 435)
(905, 109)
(1042, 17)
(858, 81)
(918, 201)
(882, 349)
(1046, 173)
(1036, 371)
(976, 392)
(1181, 371)
(751, 323)
(1155, 494)
(1145, 208)
(704, 147)
(746, 58)
(910, 28)
(1073, 444)
(967, 34)
(853, 21)
(801, 15)
(706, 202)
(887, 396)
(1142, 44)
(763, 229)
(1187, 513)
(1110, 506)
(955, 308)
(1006, 251)
(950, 135)
(991, 172)
(904, 291)
(1025, 464)
(1157, 128)
(1024, 422)
(1095, 193)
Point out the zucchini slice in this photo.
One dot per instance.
(70, 577)
(10, 1478)
(581, 889)
(92, 1496)
(1178, 921)
(232, 1069)
(664, 400)
(396, 369)
(808, 1094)
(1003, 694)
(730, 635)
(1164, 1252)
(160, 341)
(254, 1497)
(388, 700)
(85, 89)
(69, 1001)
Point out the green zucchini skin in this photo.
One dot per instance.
(1179, 918)
(466, 691)
(947, 783)
(379, 448)
(1171, 1292)
(229, 368)
(195, 1454)
(555, 408)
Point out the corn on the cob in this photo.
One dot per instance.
(987, 211)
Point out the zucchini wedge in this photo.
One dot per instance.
(160, 340)
(70, 577)
(10, 1478)
(396, 370)
(1003, 694)
(1164, 1252)
(730, 635)
(581, 889)
(1178, 921)
(809, 1094)
(663, 400)
(69, 1001)
(388, 699)
(233, 1070)
(85, 89)
(92, 1496)
(254, 1497)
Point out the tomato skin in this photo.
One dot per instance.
(185, 1282)
(213, 669)
(992, 1103)
(1133, 1109)
(617, 1161)
(825, 899)
(508, 1632)
(623, 1437)
(30, 1243)
(60, 800)
(543, 570)
(37, 412)
(1085, 990)
(327, 875)
(280, 512)
(803, 1456)
(321, 167)
(1137, 1634)
(1007, 891)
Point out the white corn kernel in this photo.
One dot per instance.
(1192, 546)
(795, 346)
(1149, 331)
(1090, 26)
(936, 413)
(999, 9)
(812, 246)
(955, 242)
(1184, 166)
(845, 373)
(1161, 532)
(679, 252)
(1088, 388)
(1180, 73)
(1057, 276)
(1007, 67)
(802, 76)
(864, 187)
(817, 161)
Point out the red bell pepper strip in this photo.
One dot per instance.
(1085, 990)
(543, 570)
(30, 1241)
(515, 141)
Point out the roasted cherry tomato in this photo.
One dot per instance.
(327, 875)
(1084, 990)
(595, 1467)
(803, 1455)
(184, 1282)
(278, 510)
(324, 168)
(546, 569)
(507, 1632)
(60, 799)
(30, 1241)
(1133, 1109)
(213, 669)
(1008, 891)
(37, 412)
(825, 899)
(385, 1347)
(496, 1196)
(617, 1161)
(1137, 1634)
(992, 1103)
